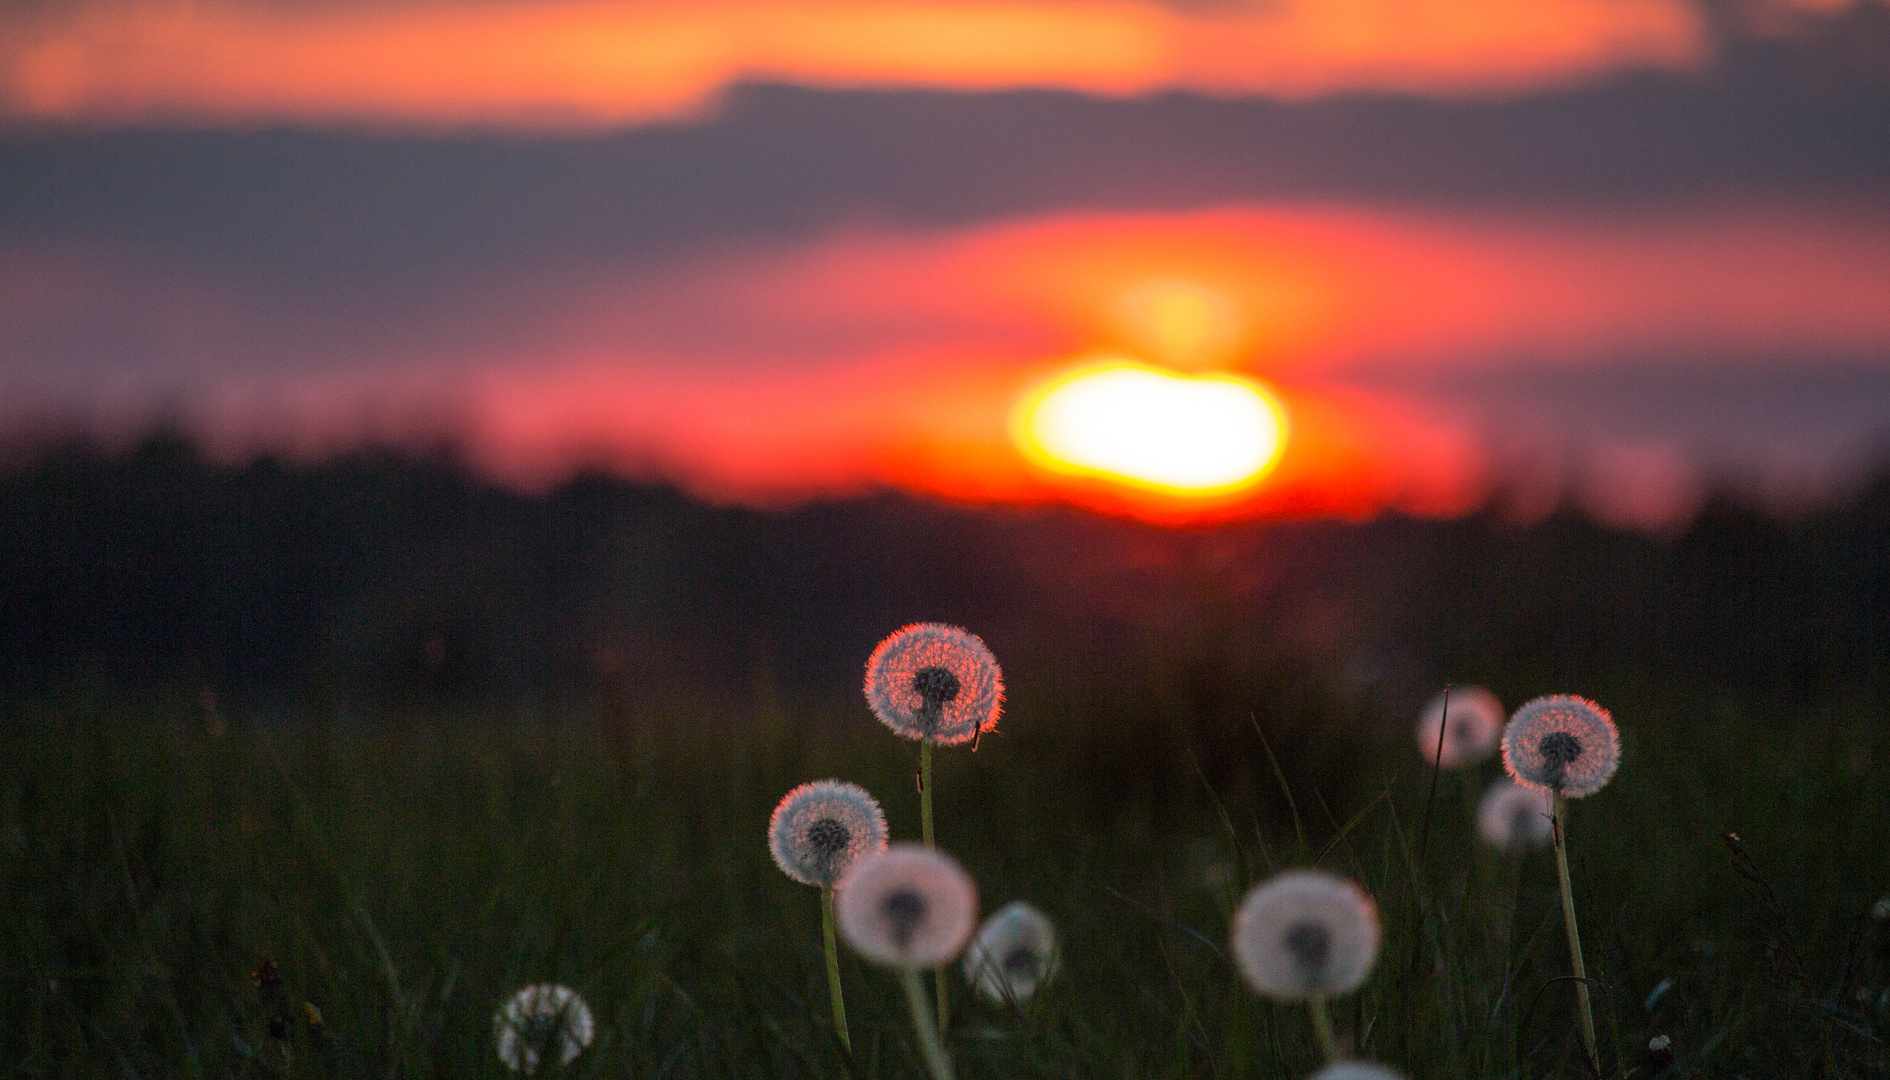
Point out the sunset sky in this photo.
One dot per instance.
(1608, 250)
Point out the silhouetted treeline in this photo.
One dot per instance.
(385, 576)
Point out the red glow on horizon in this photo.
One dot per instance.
(876, 359)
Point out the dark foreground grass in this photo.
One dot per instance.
(404, 876)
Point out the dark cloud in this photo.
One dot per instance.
(1799, 117)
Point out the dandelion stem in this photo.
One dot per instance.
(1558, 810)
(833, 969)
(1322, 1027)
(936, 1062)
(925, 826)
(925, 791)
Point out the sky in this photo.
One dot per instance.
(1614, 252)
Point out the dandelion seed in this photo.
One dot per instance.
(538, 1018)
(1013, 954)
(935, 682)
(817, 833)
(821, 829)
(1306, 934)
(1475, 728)
(1881, 909)
(1567, 746)
(1514, 818)
(1561, 743)
(912, 907)
(1356, 1070)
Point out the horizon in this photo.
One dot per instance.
(1615, 253)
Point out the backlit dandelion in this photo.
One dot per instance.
(538, 1019)
(911, 908)
(1013, 954)
(1568, 746)
(935, 682)
(1474, 729)
(1356, 1070)
(940, 685)
(1305, 935)
(1562, 743)
(817, 833)
(1514, 818)
(820, 829)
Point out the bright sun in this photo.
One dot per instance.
(1186, 435)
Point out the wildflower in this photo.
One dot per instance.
(1563, 743)
(821, 829)
(1660, 1053)
(935, 682)
(1306, 934)
(1013, 954)
(538, 1018)
(1355, 1070)
(1568, 746)
(912, 907)
(818, 832)
(1513, 818)
(1475, 727)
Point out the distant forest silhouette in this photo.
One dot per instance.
(390, 580)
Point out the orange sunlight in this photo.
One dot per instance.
(1176, 434)
(869, 359)
(584, 64)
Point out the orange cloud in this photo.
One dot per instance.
(574, 64)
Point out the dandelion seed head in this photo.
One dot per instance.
(1013, 954)
(1475, 727)
(1305, 933)
(1356, 1070)
(538, 1018)
(935, 682)
(1561, 743)
(910, 906)
(820, 829)
(1514, 818)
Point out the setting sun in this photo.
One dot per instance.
(1185, 435)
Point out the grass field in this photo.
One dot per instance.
(406, 874)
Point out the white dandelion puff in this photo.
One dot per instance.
(1561, 743)
(1356, 1070)
(1514, 818)
(912, 907)
(1013, 954)
(1306, 934)
(935, 682)
(538, 1018)
(1475, 727)
(821, 829)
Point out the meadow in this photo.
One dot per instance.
(405, 875)
(196, 884)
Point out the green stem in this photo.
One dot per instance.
(925, 825)
(1322, 1028)
(925, 791)
(936, 1062)
(833, 969)
(1558, 810)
